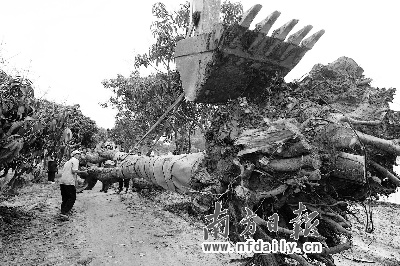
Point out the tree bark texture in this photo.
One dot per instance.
(321, 141)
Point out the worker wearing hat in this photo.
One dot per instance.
(67, 183)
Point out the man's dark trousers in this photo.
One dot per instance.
(123, 183)
(68, 195)
(52, 169)
(51, 176)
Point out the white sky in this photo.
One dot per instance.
(68, 47)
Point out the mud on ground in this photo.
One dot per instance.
(104, 229)
(145, 229)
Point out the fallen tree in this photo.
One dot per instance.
(326, 140)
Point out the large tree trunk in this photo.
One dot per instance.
(322, 141)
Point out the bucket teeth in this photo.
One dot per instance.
(296, 38)
(265, 25)
(249, 15)
(284, 31)
(233, 61)
(310, 41)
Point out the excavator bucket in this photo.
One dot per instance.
(233, 61)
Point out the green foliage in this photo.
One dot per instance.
(102, 135)
(17, 105)
(142, 100)
(231, 12)
(83, 128)
(29, 126)
(56, 118)
(168, 29)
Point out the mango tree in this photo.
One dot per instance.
(323, 141)
(280, 149)
(30, 127)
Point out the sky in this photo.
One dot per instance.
(67, 48)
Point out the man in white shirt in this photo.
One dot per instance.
(67, 183)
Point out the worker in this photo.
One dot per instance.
(68, 182)
(52, 169)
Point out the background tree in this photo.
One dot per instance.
(140, 101)
(30, 127)
(58, 120)
(326, 141)
(83, 128)
(102, 135)
(17, 106)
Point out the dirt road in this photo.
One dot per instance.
(104, 229)
(139, 232)
(132, 229)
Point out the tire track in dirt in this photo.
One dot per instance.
(104, 229)
(138, 233)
